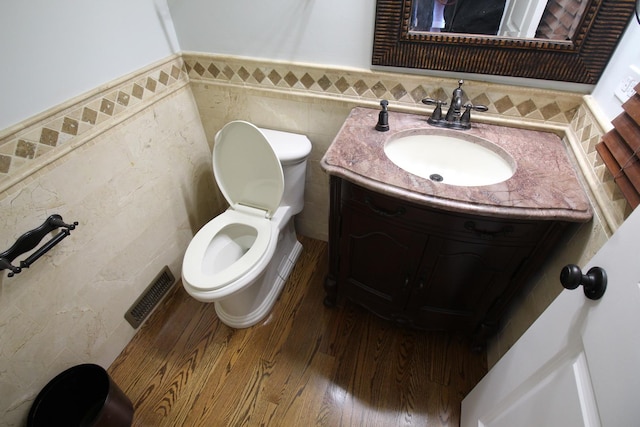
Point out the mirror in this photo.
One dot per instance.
(485, 36)
(545, 19)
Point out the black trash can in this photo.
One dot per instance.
(82, 396)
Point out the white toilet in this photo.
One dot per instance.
(241, 259)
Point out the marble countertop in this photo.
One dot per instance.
(544, 186)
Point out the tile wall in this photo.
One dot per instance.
(131, 164)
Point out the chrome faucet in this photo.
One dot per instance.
(455, 118)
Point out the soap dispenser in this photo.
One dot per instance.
(383, 117)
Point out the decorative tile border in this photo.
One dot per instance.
(403, 90)
(588, 132)
(41, 140)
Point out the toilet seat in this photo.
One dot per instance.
(194, 269)
(250, 177)
(247, 169)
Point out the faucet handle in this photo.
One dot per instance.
(431, 101)
(437, 112)
(478, 107)
(469, 106)
(465, 120)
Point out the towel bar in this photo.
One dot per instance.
(30, 240)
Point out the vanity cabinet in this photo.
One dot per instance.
(429, 268)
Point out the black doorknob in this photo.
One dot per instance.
(594, 282)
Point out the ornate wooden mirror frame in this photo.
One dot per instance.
(581, 59)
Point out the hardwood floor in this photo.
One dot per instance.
(305, 365)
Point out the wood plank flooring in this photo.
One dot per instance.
(305, 365)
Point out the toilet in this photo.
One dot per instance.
(241, 259)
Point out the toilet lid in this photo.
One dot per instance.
(246, 168)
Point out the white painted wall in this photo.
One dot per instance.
(626, 54)
(53, 51)
(327, 32)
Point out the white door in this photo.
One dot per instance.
(521, 18)
(579, 363)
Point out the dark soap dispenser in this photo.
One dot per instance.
(383, 117)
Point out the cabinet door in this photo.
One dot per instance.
(378, 261)
(458, 281)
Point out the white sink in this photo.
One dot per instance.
(454, 159)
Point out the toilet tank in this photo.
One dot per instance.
(292, 150)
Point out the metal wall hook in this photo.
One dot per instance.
(594, 282)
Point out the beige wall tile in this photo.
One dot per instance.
(138, 190)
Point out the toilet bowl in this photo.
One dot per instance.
(241, 259)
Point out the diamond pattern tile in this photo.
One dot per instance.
(258, 75)
(106, 106)
(175, 72)
(503, 104)
(361, 87)
(137, 91)
(198, 68)
(49, 137)
(215, 71)
(5, 163)
(70, 126)
(418, 94)
(150, 85)
(527, 107)
(342, 85)
(379, 89)
(307, 81)
(163, 78)
(291, 79)
(550, 110)
(25, 149)
(274, 77)
(123, 98)
(398, 91)
(244, 74)
(228, 72)
(324, 83)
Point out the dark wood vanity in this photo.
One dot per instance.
(428, 268)
(433, 256)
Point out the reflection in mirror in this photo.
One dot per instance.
(543, 19)
(457, 16)
(564, 40)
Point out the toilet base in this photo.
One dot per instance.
(251, 305)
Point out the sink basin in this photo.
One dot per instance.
(451, 158)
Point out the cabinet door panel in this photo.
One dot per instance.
(377, 267)
(430, 268)
(458, 281)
